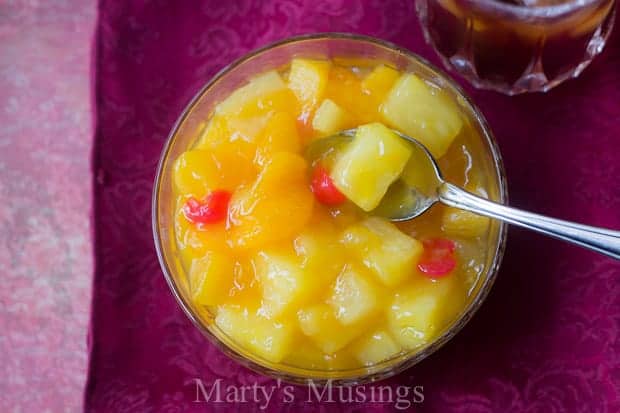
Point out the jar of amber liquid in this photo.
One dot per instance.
(517, 46)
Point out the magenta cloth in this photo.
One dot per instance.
(545, 341)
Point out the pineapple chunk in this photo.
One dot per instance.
(269, 339)
(280, 135)
(263, 84)
(460, 223)
(211, 278)
(463, 223)
(388, 252)
(322, 255)
(245, 128)
(375, 348)
(307, 79)
(422, 112)
(369, 165)
(275, 207)
(379, 82)
(419, 313)
(320, 324)
(224, 129)
(330, 118)
(283, 282)
(353, 297)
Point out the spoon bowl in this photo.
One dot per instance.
(421, 185)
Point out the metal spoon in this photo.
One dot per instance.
(403, 202)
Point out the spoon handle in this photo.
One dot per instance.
(602, 240)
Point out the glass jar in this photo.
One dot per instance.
(517, 47)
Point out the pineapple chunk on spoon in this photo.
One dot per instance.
(410, 196)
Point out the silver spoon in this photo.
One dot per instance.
(403, 202)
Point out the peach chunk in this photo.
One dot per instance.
(275, 207)
(280, 135)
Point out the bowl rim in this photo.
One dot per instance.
(413, 356)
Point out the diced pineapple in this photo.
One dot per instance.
(388, 252)
(375, 347)
(458, 222)
(211, 278)
(268, 339)
(330, 118)
(320, 324)
(307, 79)
(245, 128)
(284, 283)
(195, 173)
(309, 356)
(353, 296)
(321, 254)
(282, 100)
(461, 223)
(369, 165)
(227, 129)
(379, 82)
(419, 312)
(275, 207)
(280, 135)
(423, 112)
(263, 84)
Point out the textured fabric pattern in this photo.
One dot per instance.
(545, 341)
(45, 202)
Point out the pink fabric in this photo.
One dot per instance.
(45, 200)
(545, 341)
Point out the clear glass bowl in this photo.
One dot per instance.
(511, 48)
(183, 134)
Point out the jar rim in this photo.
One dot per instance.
(516, 11)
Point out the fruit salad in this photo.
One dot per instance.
(283, 253)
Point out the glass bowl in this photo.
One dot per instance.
(184, 132)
